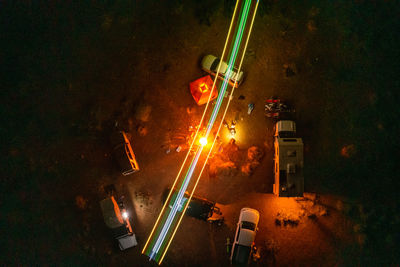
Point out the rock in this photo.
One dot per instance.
(81, 202)
(312, 216)
(231, 151)
(322, 211)
(291, 222)
(220, 167)
(311, 26)
(348, 151)
(254, 153)
(142, 130)
(190, 110)
(249, 167)
(288, 219)
(143, 113)
(311, 196)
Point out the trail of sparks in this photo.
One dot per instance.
(178, 200)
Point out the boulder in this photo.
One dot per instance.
(254, 153)
(348, 151)
(81, 202)
(142, 130)
(219, 167)
(248, 168)
(143, 113)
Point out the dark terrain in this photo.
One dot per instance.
(71, 69)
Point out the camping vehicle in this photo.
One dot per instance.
(116, 218)
(288, 161)
(245, 235)
(199, 208)
(210, 64)
(285, 128)
(123, 153)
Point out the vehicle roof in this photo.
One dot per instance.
(249, 215)
(120, 231)
(117, 138)
(111, 212)
(223, 68)
(246, 237)
(119, 154)
(286, 125)
(211, 62)
(127, 241)
(198, 207)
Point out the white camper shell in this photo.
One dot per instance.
(288, 161)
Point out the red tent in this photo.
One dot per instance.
(201, 89)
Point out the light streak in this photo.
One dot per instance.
(192, 166)
(174, 209)
(198, 128)
(215, 138)
(230, 66)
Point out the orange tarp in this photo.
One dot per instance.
(201, 89)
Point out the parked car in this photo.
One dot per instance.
(210, 64)
(116, 217)
(245, 235)
(199, 208)
(123, 153)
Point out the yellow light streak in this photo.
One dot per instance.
(219, 128)
(191, 145)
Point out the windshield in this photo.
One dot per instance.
(248, 225)
(214, 65)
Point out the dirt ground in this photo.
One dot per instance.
(72, 70)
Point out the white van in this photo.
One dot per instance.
(210, 64)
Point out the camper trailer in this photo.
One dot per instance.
(288, 161)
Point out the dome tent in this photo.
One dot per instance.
(201, 89)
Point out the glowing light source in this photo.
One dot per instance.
(203, 88)
(203, 141)
(125, 215)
